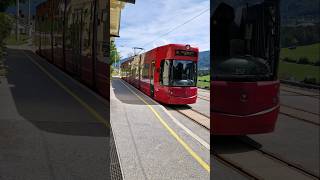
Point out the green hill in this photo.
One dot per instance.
(204, 60)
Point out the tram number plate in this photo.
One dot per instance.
(186, 53)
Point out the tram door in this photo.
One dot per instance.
(152, 80)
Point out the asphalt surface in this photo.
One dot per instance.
(147, 149)
(45, 133)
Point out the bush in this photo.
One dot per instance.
(303, 60)
(5, 26)
(310, 80)
(317, 63)
(286, 59)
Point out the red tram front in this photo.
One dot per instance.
(168, 73)
(245, 55)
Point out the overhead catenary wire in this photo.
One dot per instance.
(178, 26)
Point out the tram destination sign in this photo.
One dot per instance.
(186, 53)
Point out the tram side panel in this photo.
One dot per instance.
(66, 39)
(144, 74)
(147, 73)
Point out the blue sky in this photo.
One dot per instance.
(147, 20)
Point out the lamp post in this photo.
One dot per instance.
(134, 48)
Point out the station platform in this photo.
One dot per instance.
(51, 126)
(154, 143)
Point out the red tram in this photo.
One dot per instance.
(74, 35)
(168, 73)
(245, 55)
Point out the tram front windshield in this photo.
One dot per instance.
(245, 41)
(178, 73)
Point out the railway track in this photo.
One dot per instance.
(193, 115)
(246, 172)
(299, 109)
(300, 114)
(280, 159)
(251, 174)
(206, 98)
(300, 92)
(217, 156)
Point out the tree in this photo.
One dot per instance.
(5, 26)
(114, 54)
(4, 4)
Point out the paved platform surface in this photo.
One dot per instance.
(147, 149)
(45, 133)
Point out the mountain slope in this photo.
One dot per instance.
(204, 60)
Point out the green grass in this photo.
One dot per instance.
(298, 71)
(309, 51)
(203, 84)
(11, 40)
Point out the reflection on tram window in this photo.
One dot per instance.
(247, 41)
(184, 73)
(178, 73)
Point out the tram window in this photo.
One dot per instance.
(137, 73)
(184, 73)
(244, 41)
(145, 71)
(165, 72)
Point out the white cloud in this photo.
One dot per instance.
(143, 23)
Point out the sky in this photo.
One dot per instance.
(143, 24)
(24, 7)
